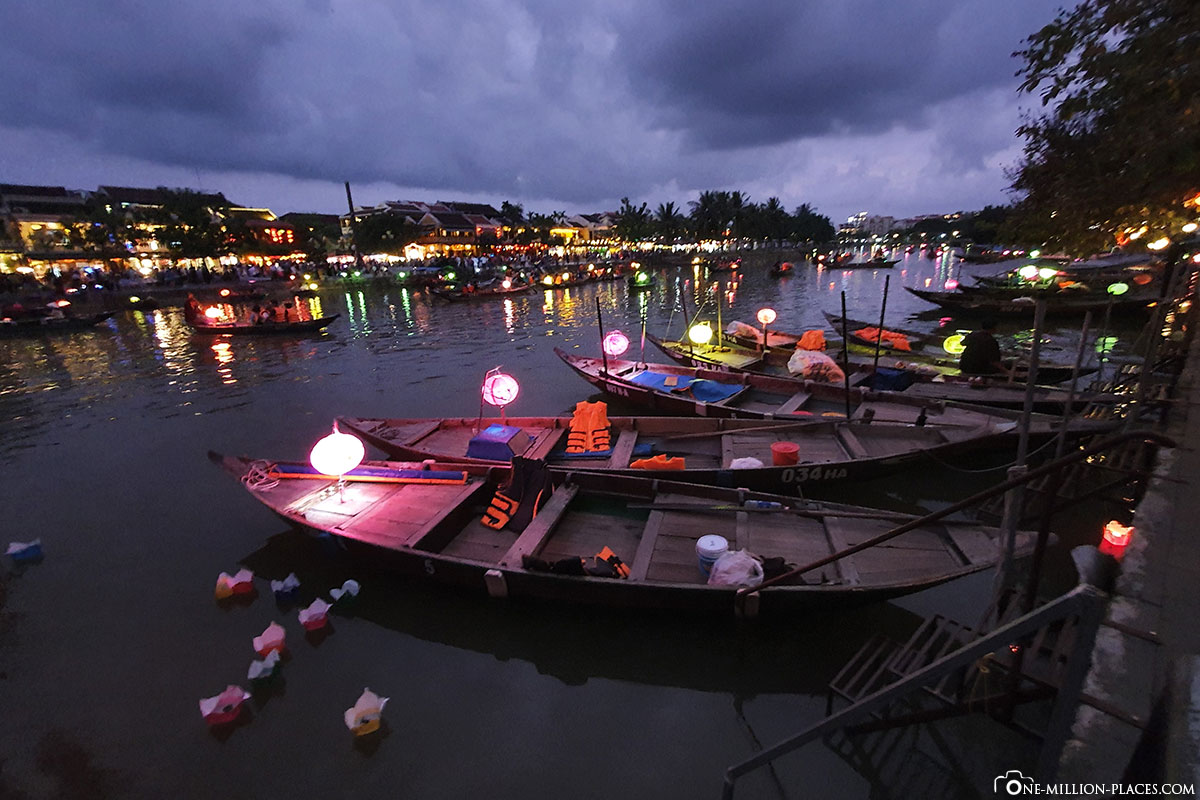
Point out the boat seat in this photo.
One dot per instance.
(854, 448)
(645, 548)
(537, 532)
(545, 443)
(793, 403)
(623, 451)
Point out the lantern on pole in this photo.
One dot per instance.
(615, 343)
(700, 333)
(500, 389)
(765, 316)
(337, 454)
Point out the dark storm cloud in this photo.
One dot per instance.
(575, 103)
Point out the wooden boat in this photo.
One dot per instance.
(895, 375)
(926, 362)
(264, 328)
(782, 270)
(830, 451)
(671, 389)
(434, 531)
(916, 340)
(875, 263)
(39, 325)
(481, 293)
(1063, 303)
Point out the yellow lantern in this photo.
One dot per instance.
(700, 333)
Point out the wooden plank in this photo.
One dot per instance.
(741, 531)
(645, 550)
(545, 442)
(975, 546)
(850, 441)
(408, 513)
(727, 455)
(415, 436)
(623, 451)
(837, 541)
(793, 403)
(536, 533)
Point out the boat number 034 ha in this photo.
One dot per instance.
(801, 474)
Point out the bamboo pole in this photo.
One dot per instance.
(845, 354)
(887, 279)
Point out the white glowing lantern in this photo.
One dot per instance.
(700, 333)
(500, 389)
(337, 453)
(1046, 273)
(766, 315)
(212, 312)
(1029, 272)
(507, 284)
(616, 343)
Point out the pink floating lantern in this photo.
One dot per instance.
(499, 389)
(224, 707)
(241, 582)
(337, 453)
(271, 640)
(766, 315)
(315, 616)
(1116, 539)
(616, 343)
(951, 285)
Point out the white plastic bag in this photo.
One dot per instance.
(814, 366)
(736, 568)
(748, 462)
(738, 328)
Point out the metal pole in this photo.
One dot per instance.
(887, 279)
(600, 324)
(358, 262)
(845, 356)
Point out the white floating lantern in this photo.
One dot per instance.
(241, 582)
(366, 714)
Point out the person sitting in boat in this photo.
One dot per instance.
(981, 352)
(267, 314)
(192, 311)
(256, 317)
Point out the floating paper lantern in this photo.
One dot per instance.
(337, 453)
(1118, 288)
(270, 640)
(548, 281)
(224, 707)
(616, 343)
(366, 714)
(315, 616)
(700, 333)
(345, 593)
(241, 582)
(25, 552)
(953, 344)
(286, 589)
(500, 389)
(263, 670)
(766, 315)
(1115, 539)
(951, 285)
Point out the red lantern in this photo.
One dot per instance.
(1116, 539)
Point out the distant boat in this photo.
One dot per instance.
(1017, 304)
(495, 289)
(44, 324)
(874, 263)
(263, 328)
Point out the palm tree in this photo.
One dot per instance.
(669, 221)
(633, 222)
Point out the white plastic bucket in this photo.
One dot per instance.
(709, 548)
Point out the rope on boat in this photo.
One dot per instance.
(258, 476)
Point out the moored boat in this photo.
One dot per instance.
(612, 540)
(911, 378)
(498, 289)
(1013, 304)
(46, 324)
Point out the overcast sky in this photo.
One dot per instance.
(896, 107)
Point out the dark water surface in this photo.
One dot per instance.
(106, 646)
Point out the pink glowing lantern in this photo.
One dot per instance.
(224, 707)
(337, 453)
(951, 285)
(616, 343)
(499, 389)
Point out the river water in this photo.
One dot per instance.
(107, 645)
